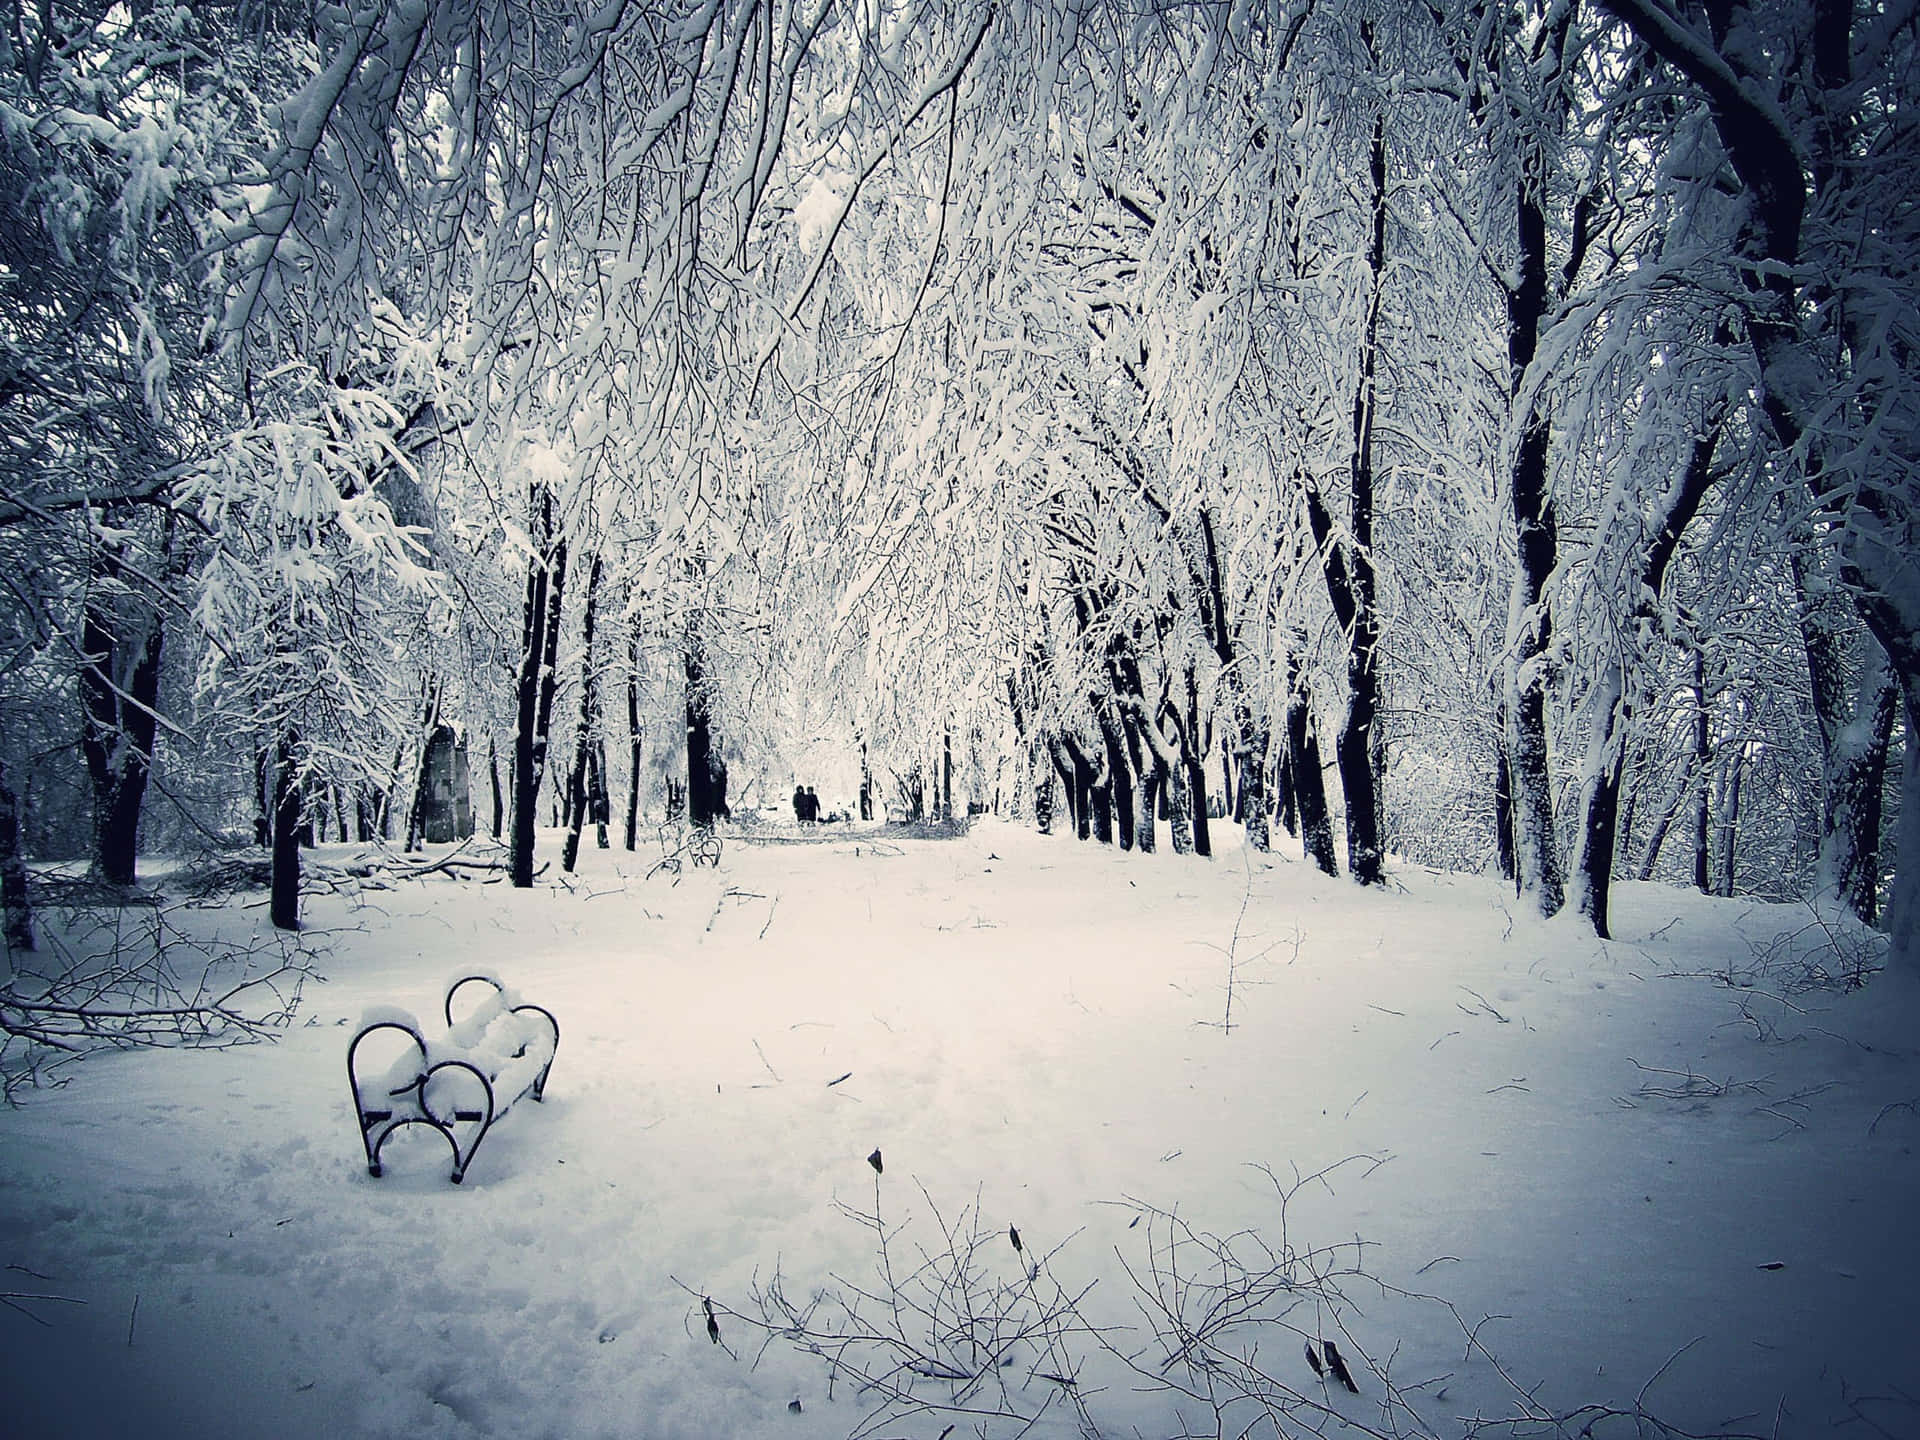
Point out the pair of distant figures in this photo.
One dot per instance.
(806, 805)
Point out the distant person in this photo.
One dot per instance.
(813, 807)
(799, 806)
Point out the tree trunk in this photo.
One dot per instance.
(1283, 782)
(284, 884)
(1610, 707)
(1119, 772)
(1180, 804)
(1092, 785)
(1610, 713)
(1346, 564)
(1256, 740)
(1869, 496)
(1703, 768)
(1902, 921)
(119, 679)
(1146, 786)
(578, 797)
(13, 870)
(706, 768)
(1503, 802)
(1529, 623)
(1062, 763)
(493, 779)
(1856, 732)
(538, 619)
(1309, 784)
(1169, 774)
(636, 737)
(1193, 752)
(417, 803)
(1730, 819)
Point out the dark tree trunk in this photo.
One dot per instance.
(13, 870)
(1658, 837)
(599, 802)
(283, 906)
(417, 804)
(1703, 768)
(706, 768)
(1346, 563)
(578, 796)
(636, 747)
(1081, 788)
(866, 787)
(1601, 818)
(1349, 567)
(534, 685)
(1062, 763)
(119, 679)
(1624, 840)
(946, 774)
(1148, 779)
(1145, 786)
(263, 799)
(1856, 728)
(1093, 798)
(1119, 772)
(1859, 793)
(636, 737)
(1730, 820)
(1309, 784)
(1503, 802)
(1612, 705)
(1283, 782)
(1799, 367)
(1253, 782)
(1536, 854)
(493, 780)
(1194, 753)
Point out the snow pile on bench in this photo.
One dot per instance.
(497, 1054)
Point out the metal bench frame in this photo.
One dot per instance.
(700, 843)
(382, 1113)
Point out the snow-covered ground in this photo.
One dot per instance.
(1033, 1033)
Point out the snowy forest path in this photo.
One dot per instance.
(1025, 1024)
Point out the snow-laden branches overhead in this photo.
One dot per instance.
(1163, 388)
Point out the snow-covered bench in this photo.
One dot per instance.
(459, 1082)
(700, 843)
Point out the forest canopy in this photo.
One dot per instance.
(1479, 434)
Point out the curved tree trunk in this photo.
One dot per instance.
(1611, 709)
